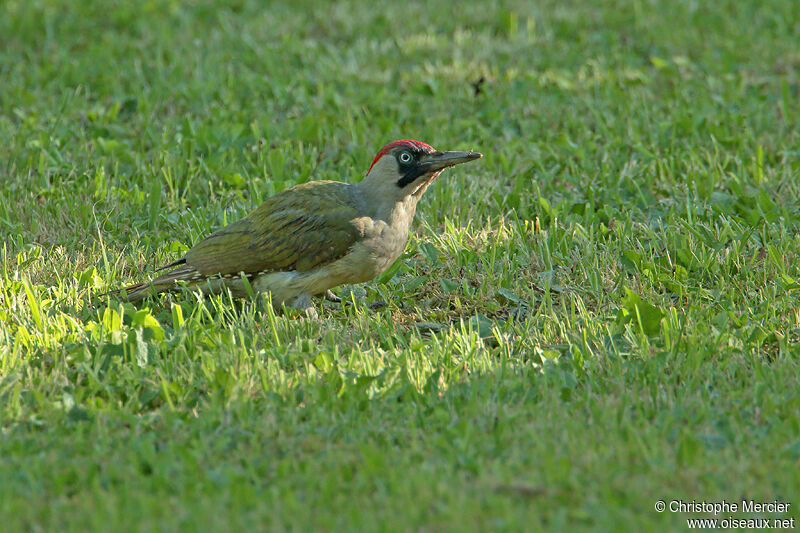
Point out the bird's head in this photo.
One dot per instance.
(406, 168)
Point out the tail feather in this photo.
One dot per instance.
(132, 293)
(136, 292)
(164, 282)
(180, 261)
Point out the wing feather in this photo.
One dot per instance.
(298, 229)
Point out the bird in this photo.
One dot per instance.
(309, 238)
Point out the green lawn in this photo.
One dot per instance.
(602, 313)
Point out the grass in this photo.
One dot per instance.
(601, 313)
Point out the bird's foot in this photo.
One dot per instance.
(380, 304)
(332, 297)
(311, 313)
(304, 304)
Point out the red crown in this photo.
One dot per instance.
(419, 145)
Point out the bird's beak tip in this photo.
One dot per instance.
(448, 159)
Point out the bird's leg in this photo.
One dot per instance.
(380, 304)
(332, 297)
(303, 303)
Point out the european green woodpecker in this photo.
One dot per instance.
(312, 237)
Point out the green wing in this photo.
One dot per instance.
(298, 229)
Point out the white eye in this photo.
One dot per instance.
(405, 157)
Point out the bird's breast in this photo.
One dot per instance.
(379, 246)
(386, 244)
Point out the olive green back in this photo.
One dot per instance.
(299, 228)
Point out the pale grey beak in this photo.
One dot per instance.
(441, 160)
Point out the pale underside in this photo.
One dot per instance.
(292, 287)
